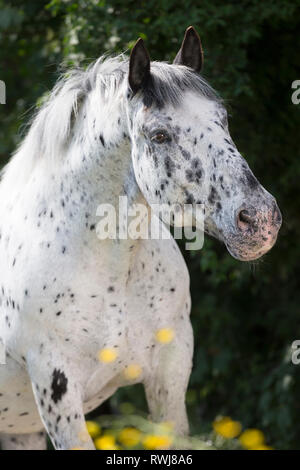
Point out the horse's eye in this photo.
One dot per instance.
(160, 137)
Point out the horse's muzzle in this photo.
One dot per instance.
(256, 231)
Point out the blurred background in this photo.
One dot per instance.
(245, 316)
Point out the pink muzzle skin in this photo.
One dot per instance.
(257, 232)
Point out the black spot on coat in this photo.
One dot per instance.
(58, 385)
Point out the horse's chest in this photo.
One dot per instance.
(87, 302)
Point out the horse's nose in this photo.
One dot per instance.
(249, 218)
(246, 219)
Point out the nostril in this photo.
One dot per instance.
(246, 219)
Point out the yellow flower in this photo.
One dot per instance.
(93, 429)
(107, 355)
(262, 447)
(226, 427)
(164, 335)
(133, 371)
(106, 442)
(252, 438)
(129, 437)
(157, 442)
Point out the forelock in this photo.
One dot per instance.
(167, 84)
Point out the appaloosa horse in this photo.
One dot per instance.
(80, 316)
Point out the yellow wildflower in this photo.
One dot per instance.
(106, 442)
(93, 429)
(130, 437)
(164, 335)
(226, 427)
(157, 442)
(252, 438)
(262, 447)
(107, 355)
(133, 371)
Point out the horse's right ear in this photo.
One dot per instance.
(139, 66)
(190, 53)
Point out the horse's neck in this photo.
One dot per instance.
(98, 170)
(99, 159)
(94, 168)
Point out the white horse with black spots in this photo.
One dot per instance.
(80, 316)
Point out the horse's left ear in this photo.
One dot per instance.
(190, 53)
(139, 66)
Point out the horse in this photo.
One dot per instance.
(82, 316)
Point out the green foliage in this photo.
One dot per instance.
(29, 56)
(245, 317)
